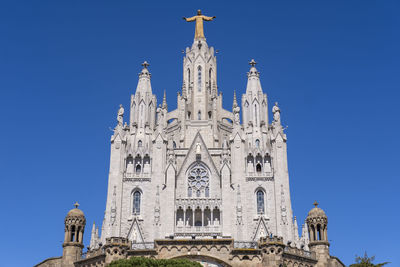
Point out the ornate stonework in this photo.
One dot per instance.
(201, 183)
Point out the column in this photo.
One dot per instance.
(66, 235)
(81, 236)
(311, 233)
(193, 217)
(202, 217)
(184, 218)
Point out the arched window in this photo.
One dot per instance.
(210, 79)
(139, 143)
(260, 202)
(258, 168)
(257, 143)
(188, 76)
(199, 79)
(174, 144)
(138, 169)
(72, 233)
(199, 115)
(136, 202)
(198, 181)
(255, 115)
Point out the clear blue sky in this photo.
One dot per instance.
(333, 66)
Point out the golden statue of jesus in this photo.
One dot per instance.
(199, 32)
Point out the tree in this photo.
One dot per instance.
(147, 262)
(366, 261)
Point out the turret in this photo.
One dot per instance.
(317, 222)
(254, 102)
(143, 102)
(75, 222)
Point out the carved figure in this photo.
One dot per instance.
(199, 31)
(120, 117)
(277, 113)
(198, 148)
(236, 111)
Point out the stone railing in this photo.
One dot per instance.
(198, 229)
(134, 177)
(245, 244)
(299, 252)
(142, 245)
(195, 202)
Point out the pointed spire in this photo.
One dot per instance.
(296, 230)
(235, 104)
(164, 102)
(144, 85)
(253, 79)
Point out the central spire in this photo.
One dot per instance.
(199, 31)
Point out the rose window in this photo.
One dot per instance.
(198, 181)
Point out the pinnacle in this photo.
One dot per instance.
(315, 204)
(252, 63)
(145, 64)
(76, 204)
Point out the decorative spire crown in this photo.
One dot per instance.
(253, 71)
(145, 72)
(76, 205)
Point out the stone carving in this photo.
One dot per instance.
(277, 113)
(236, 114)
(114, 206)
(198, 148)
(157, 207)
(120, 117)
(283, 207)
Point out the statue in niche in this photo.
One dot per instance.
(236, 111)
(180, 222)
(120, 117)
(216, 221)
(267, 164)
(129, 166)
(262, 234)
(198, 148)
(187, 222)
(134, 235)
(277, 113)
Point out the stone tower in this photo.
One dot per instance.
(75, 222)
(317, 222)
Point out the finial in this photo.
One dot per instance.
(164, 102)
(234, 99)
(76, 204)
(252, 63)
(145, 64)
(315, 204)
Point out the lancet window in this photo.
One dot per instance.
(260, 202)
(198, 181)
(199, 79)
(136, 202)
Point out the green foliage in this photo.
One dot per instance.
(366, 261)
(147, 262)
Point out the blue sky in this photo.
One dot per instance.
(333, 66)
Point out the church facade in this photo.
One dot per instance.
(199, 182)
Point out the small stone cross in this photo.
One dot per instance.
(145, 64)
(252, 63)
(315, 203)
(76, 205)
